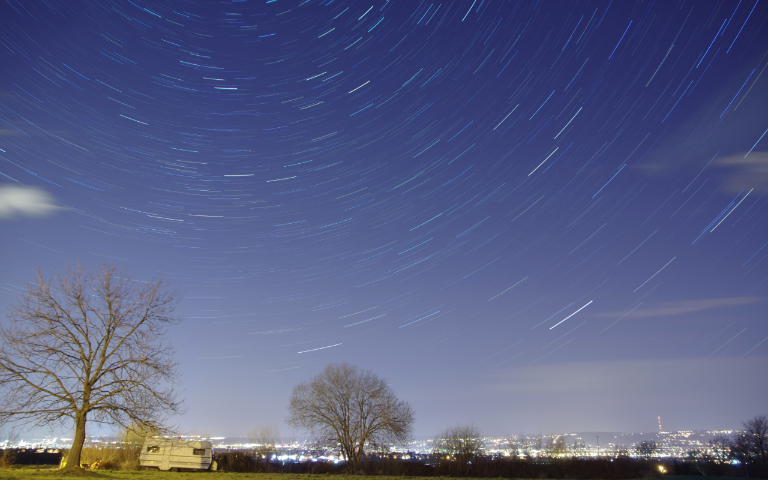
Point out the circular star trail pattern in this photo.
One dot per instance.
(463, 196)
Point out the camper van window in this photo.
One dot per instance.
(198, 451)
(153, 449)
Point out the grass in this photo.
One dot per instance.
(55, 473)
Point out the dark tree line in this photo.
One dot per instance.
(436, 465)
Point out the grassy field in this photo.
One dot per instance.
(54, 473)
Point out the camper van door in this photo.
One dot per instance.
(166, 465)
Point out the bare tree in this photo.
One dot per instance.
(513, 446)
(9, 438)
(88, 346)
(265, 439)
(557, 446)
(622, 451)
(462, 442)
(757, 432)
(537, 445)
(720, 446)
(352, 408)
(646, 449)
(752, 445)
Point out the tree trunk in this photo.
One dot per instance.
(73, 459)
(350, 455)
(357, 454)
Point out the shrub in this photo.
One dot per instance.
(235, 462)
(8, 458)
(112, 457)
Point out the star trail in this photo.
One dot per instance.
(413, 187)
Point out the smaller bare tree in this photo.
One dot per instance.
(8, 438)
(351, 408)
(646, 449)
(461, 442)
(513, 446)
(757, 434)
(622, 451)
(556, 446)
(537, 445)
(720, 446)
(751, 446)
(265, 439)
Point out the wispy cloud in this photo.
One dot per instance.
(744, 172)
(668, 309)
(19, 201)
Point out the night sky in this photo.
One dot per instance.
(534, 216)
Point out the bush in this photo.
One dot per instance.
(482, 467)
(235, 462)
(113, 457)
(8, 458)
(21, 456)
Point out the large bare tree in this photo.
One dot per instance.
(89, 346)
(350, 407)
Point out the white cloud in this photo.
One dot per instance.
(666, 309)
(21, 201)
(742, 173)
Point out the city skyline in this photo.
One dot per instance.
(670, 444)
(533, 216)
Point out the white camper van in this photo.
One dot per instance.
(172, 454)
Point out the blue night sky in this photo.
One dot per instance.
(533, 216)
